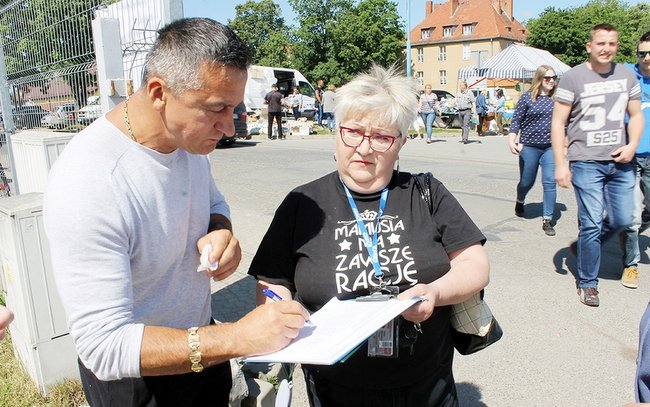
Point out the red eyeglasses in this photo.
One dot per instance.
(378, 142)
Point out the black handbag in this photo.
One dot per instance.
(474, 327)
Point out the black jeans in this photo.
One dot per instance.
(278, 118)
(211, 387)
(428, 392)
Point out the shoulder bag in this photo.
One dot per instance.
(474, 325)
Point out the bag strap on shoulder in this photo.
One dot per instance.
(423, 183)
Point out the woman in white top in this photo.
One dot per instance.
(296, 102)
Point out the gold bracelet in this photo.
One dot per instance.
(194, 341)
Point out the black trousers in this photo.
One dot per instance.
(278, 118)
(479, 126)
(428, 392)
(211, 387)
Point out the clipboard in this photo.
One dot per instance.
(337, 329)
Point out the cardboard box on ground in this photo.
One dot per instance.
(259, 125)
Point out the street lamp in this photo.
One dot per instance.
(408, 38)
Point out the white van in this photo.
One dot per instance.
(260, 79)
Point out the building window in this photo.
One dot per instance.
(425, 33)
(443, 53)
(468, 29)
(419, 78)
(420, 55)
(467, 51)
(448, 31)
(443, 77)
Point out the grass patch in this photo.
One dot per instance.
(18, 390)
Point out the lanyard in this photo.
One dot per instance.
(371, 245)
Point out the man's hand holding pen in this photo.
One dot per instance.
(270, 327)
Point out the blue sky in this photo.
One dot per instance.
(222, 10)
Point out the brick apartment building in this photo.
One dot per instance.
(455, 34)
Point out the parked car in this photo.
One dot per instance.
(90, 112)
(442, 94)
(239, 116)
(61, 117)
(28, 116)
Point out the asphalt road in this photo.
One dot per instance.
(555, 350)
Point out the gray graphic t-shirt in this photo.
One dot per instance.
(599, 102)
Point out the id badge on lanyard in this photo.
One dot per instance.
(382, 343)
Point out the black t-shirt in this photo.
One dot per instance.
(274, 100)
(314, 248)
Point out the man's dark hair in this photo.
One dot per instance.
(184, 46)
(644, 38)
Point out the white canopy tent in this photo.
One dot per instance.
(515, 62)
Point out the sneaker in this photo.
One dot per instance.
(589, 296)
(548, 228)
(519, 209)
(428, 141)
(630, 278)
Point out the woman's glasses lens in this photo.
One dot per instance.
(354, 137)
(548, 78)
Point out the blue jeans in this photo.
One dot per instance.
(600, 187)
(530, 158)
(428, 119)
(319, 115)
(330, 120)
(630, 235)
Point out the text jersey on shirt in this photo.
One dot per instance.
(599, 102)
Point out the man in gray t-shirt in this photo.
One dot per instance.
(589, 121)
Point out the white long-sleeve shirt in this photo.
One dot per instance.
(123, 223)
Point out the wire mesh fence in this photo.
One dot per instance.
(51, 66)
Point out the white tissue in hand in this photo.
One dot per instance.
(205, 262)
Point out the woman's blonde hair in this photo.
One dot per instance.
(382, 94)
(536, 87)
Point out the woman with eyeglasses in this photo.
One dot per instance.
(530, 139)
(366, 228)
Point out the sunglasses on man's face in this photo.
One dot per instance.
(642, 54)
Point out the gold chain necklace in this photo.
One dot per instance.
(125, 110)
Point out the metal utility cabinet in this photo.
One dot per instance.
(34, 154)
(39, 332)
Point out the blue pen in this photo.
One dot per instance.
(272, 295)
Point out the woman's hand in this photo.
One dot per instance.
(515, 148)
(422, 310)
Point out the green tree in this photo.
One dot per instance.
(338, 38)
(261, 26)
(313, 40)
(369, 32)
(564, 32)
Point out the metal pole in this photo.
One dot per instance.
(408, 38)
